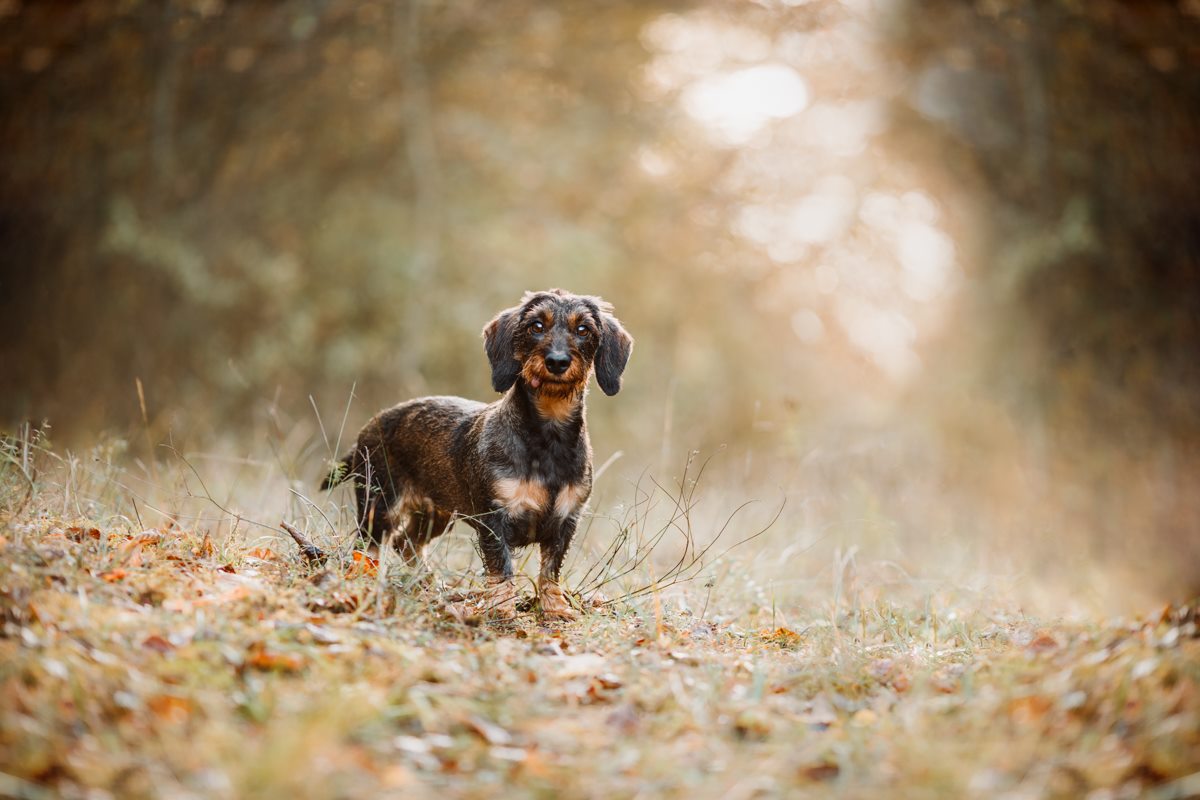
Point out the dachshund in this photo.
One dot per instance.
(518, 470)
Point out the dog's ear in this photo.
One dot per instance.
(498, 343)
(615, 346)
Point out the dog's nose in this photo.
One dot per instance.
(557, 364)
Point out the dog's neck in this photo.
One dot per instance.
(560, 414)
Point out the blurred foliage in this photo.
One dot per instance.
(955, 244)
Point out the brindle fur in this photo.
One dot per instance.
(518, 470)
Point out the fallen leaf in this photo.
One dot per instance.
(781, 637)
(608, 681)
(336, 603)
(82, 534)
(157, 643)
(263, 554)
(945, 681)
(1029, 709)
(363, 565)
(205, 549)
(147, 537)
(259, 657)
(170, 707)
(114, 575)
(1042, 643)
(824, 771)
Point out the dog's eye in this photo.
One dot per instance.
(537, 327)
(583, 330)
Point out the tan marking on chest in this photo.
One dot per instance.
(521, 496)
(570, 499)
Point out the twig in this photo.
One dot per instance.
(312, 554)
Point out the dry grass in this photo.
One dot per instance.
(193, 653)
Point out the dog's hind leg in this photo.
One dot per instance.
(374, 499)
(420, 528)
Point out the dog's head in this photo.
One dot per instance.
(553, 339)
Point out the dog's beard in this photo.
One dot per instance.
(545, 384)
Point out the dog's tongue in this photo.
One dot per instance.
(535, 382)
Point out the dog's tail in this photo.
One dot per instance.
(339, 471)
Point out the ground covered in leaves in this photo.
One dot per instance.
(151, 662)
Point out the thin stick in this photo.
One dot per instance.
(312, 554)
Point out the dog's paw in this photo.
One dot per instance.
(554, 603)
(499, 600)
(564, 614)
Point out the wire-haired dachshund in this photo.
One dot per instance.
(518, 470)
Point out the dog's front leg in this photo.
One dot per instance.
(501, 595)
(554, 550)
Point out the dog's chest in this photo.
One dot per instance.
(532, 496)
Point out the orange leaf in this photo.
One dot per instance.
(169, 707)
(363, 565)
(783, 637)
(157, 643)
(268, 660)
(823, 771)
(112, 576)
(1029, 709)
(263, 554)
(80, 534)
(205, 549)
(1043, 643)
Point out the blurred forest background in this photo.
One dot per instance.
(929, 268)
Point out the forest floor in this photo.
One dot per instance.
(156, 662)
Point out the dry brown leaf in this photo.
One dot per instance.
(336, 603)
(157, 643)
(263, 554)
(781, 637)
(114, 575)
(82, 534)
(1028, 710)
(145, 538)
(363, 564)
(205, 549)
(170, 707)
(1042, 643)
(825, 771)
(259, 657)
